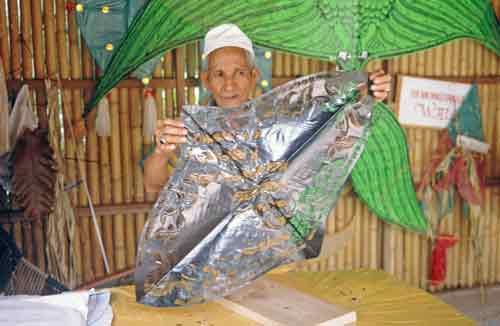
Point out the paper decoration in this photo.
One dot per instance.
(429, 103)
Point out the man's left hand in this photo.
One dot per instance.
(381, 84)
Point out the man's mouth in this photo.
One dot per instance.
(230, 97)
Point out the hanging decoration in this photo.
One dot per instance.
(150, 114)
(22, 116)
(457, 166)
(61, 223)
(103, 24)
(33, 166)
(103, 119)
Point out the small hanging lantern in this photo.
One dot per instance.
(105, 9)
(109, 47)
(79, 7)
(149, 119)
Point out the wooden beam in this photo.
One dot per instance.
(16, 84)
(130, 208)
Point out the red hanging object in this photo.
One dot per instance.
(70, 6)
(438, 264)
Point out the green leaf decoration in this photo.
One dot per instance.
(316, 28)
(382, 176)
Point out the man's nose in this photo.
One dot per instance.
(228, 83)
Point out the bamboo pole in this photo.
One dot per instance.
(357, 242)
(127, 189)
(93, 174)
(488, 117)
(496, 204)
(169, 73)
(339, 223)
(15, 40)
(137, 155)
(296, 63)
(191, 65)
(494, 157)
(179, 77)
(69, 148)
(117, 184)
(350, 245)
(277, 64)
(4, 39)
(106, 192)
(83, 224)
(287, 65)
(49, 20)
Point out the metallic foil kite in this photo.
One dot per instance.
(252, 188)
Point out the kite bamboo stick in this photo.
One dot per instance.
(4, 39)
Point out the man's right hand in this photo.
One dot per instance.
(168, 134)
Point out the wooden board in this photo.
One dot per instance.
(270, 303)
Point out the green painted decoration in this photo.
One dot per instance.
(357, 30)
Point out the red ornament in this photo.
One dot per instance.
(438, 264)
(70, 6)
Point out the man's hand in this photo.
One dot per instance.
(168, 134)
(380, 85)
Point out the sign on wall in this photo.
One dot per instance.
(429, 103)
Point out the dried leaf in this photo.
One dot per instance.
(34, 174)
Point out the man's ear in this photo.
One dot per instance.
(204, 79)
(256, 73)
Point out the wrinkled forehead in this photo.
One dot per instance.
(227, 57)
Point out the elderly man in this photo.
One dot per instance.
(230, 76)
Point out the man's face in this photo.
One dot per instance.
(229, 77)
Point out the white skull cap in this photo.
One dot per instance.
(226, 35)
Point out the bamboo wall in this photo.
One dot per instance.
(44, 42)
